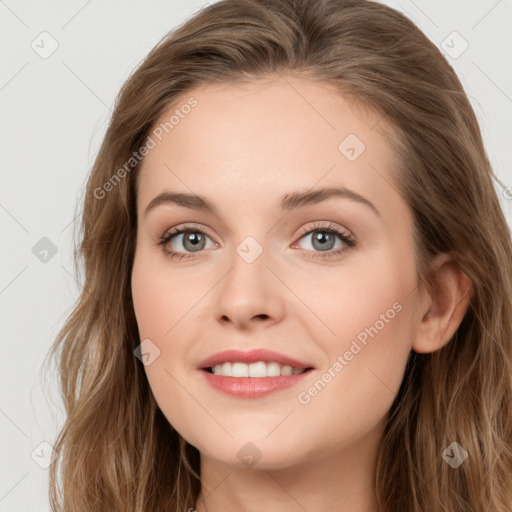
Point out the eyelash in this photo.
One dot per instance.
(329, 228)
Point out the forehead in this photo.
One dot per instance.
(247, 140)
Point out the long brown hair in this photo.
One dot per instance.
(116, 450)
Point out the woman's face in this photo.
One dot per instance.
(265, 271)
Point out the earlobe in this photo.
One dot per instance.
(444, 306)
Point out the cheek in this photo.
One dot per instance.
(158, 309)
(354, 391)
(160, 300)
(370, 315)
(165, 314)
(367, 298)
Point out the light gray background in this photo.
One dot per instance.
(54, 113)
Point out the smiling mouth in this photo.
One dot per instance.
(259, 369)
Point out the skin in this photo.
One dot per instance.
(243, 147)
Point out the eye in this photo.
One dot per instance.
(192, 238)
(324, 240)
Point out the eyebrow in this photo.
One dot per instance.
(288, 202)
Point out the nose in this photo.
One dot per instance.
(249, 294)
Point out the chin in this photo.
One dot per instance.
(246, 451)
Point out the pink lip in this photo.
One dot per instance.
(252, 356)
(252, 387)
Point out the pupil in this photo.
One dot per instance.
(192, 237)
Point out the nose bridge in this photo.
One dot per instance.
(248, 268)
(248, 289)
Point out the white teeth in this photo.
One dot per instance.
(273, 369)
(259, 369)
(240, 370)
(286, 370)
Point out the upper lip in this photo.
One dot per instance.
(252, 356)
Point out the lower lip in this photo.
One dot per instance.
(252, 387)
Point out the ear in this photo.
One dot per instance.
(443, 305)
